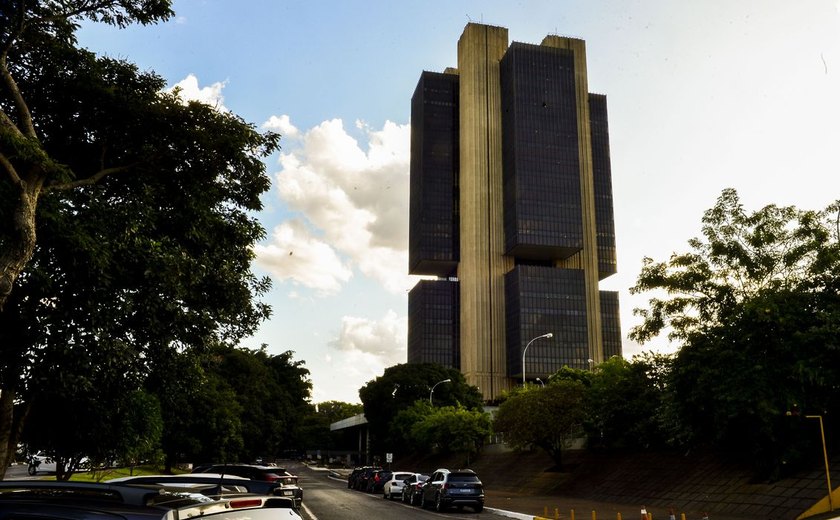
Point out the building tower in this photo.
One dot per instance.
(511, 210)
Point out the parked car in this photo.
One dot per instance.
(377, 480)
(394, 485)
(362, 478)
(353, 478)
(447, 488)
(411, 487)
(212, 485)
(275, 474)
(40, 462)
(95, 501)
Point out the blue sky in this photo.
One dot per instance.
(702, 96)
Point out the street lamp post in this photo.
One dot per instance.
(432, 391)
(547, 335)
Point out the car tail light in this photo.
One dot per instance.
(271, 477)
(253, 502)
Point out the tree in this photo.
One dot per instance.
(756, 309)
(141, 204)
(624, 402)
(334, 411)
(451, 429)
(741, 255)
(272, 392)
(549, 417)
(30, 166)
(83, 413)
(401, 385)
(140, 427)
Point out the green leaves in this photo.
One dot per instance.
(548, 417)
(401, 386)
(740, 255)
(755, 307)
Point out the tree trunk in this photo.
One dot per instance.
(8, 442)
(21, 245)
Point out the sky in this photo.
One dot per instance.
(702, 96)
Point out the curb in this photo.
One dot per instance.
(511, 514)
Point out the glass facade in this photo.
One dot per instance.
(433, 317)
(540, 152)
(545, 206)
(604, 220)
(610, 324)
(433, 207)
(539, 300)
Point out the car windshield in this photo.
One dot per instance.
(462, 477)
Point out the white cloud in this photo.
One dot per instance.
(282, 125)
(354, 200)
(384, 339)
(355, 369)
(190, 91)
(295, 254)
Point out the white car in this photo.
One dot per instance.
(394, 486)
(40, 462)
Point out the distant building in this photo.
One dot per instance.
(511, 209)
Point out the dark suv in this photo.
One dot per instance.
(447, 488)
(358, 473)
(361, 480)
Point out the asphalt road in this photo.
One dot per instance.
(18, 472)
(329, 499)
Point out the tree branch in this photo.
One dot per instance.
(89, 181)
(10, 169)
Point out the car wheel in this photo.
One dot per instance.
(479, 508)
(423, 501)
(438, 504)
(32, 469)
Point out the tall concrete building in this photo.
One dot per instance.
(511, 209)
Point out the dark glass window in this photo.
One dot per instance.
(433, 318)
(433, 206)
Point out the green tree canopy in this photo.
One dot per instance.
(142, 204)
(451, 429)
(272, 392)
(625, 402)
(756, 308)
(401, 385)
(548, 417)
(741, 255)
